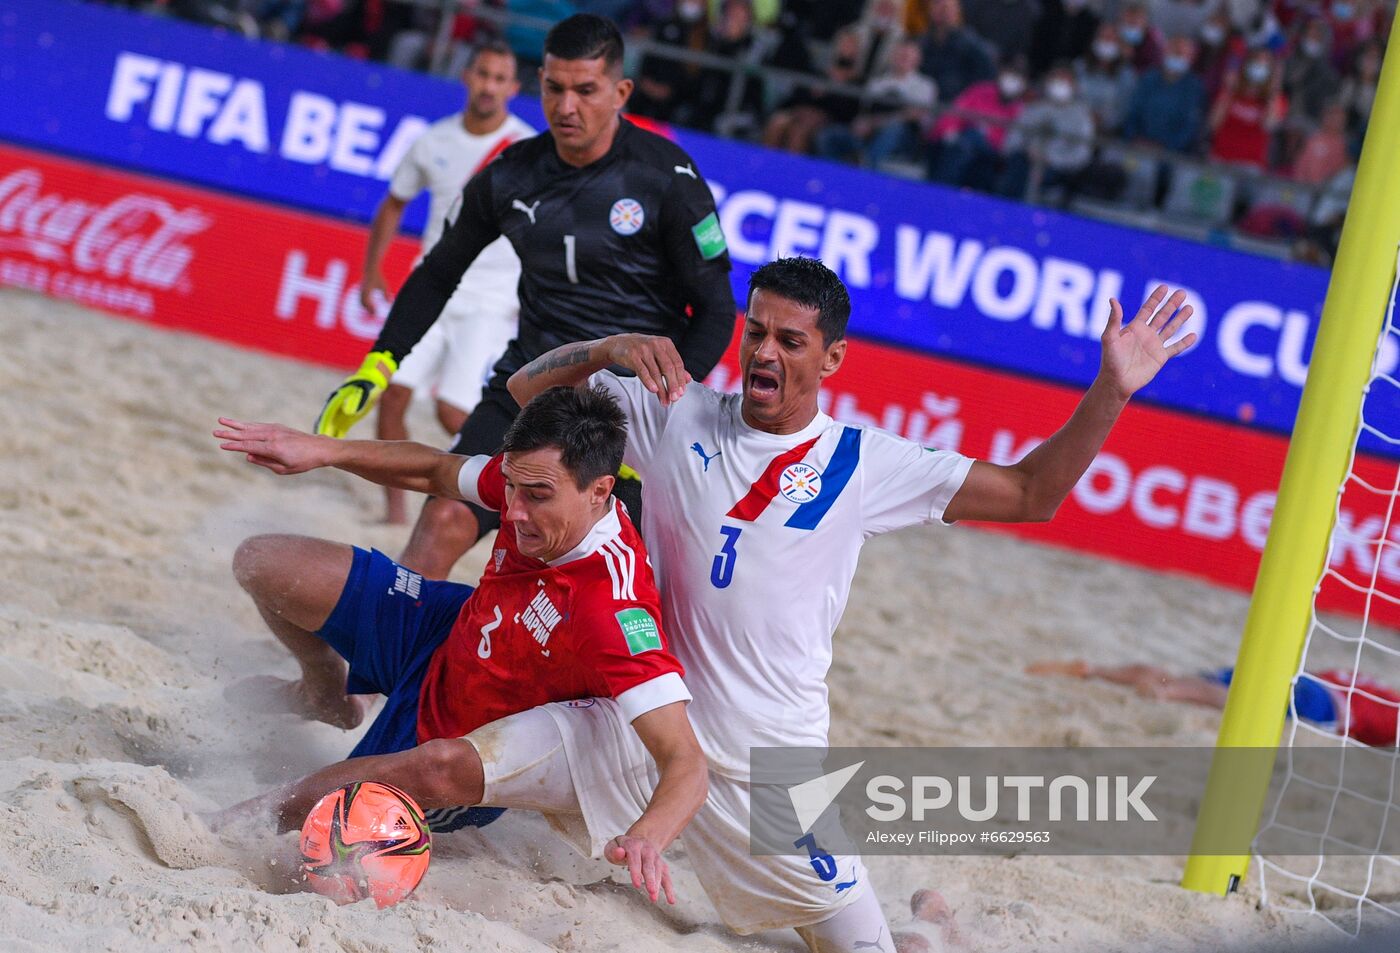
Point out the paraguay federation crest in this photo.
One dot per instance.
(800, 483)
(626, 217)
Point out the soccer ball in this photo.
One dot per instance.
(365, 839)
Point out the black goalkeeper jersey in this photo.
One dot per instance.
(626, 244)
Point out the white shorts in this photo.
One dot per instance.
(453, 361)
(581, 764)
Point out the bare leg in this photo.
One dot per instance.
(451, 416)
(446, 772)
(1149, 681)
(391, 425)
(445, 530)
(296, 581)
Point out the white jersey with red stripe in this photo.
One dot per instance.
(754, 538)
(442, 160)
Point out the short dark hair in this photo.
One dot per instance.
(584, 424)
(499, 47)
(585, 36)
(811, 284)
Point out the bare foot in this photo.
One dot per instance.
(280, 696)
(930, 906)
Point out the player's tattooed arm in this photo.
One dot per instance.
(569, 355)
(654, 360)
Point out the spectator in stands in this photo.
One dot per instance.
(794, 126)
(1220, 52)
(666, 86)
(896, 106)
(1006, 24)
(879, 33)
(1181, 17)
(1105, 79)
(1053, 137)
(1142, 41)
(1250, 107)
(1354, 23)
(953, 56)
(968, 139)
(1064, 33)
(1308, 76)
(1166, 105)
(1326, 152)
(732, 39)
(1358, 92)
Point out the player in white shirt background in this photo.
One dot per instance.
(454, 359)
(756, 508)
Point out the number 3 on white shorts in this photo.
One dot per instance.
(722, 571)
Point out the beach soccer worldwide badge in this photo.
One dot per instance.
(626, 217)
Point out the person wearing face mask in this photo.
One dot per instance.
(664, 83)
(1221, 50)
(1353, 23)
(1104, 80)
(1248, 110)
(796, 124)
(967, 141)
(1143, 42)
(1054, 135)
(1166, 107)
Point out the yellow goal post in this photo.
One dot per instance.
(1319, 455)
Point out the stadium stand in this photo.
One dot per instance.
(1232, 121)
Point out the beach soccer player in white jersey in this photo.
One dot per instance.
(454, 359)
(756, 507)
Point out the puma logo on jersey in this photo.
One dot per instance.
(527, 209)
(687, 170)
(704, 456)
(483, 649)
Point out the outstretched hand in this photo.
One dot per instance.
(655, 361)
(1135, 352)
(644, 861)
(280, 449)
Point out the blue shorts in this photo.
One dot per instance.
(1312, 699)
(387, 624)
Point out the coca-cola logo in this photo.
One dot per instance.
(136, 237)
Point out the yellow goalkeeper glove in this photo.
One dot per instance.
(353, 399)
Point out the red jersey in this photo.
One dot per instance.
(1374, 708)
(586, 624)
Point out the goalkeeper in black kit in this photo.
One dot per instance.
(616, 232)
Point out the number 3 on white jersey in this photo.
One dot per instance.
(483, 650)
(722, 570)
